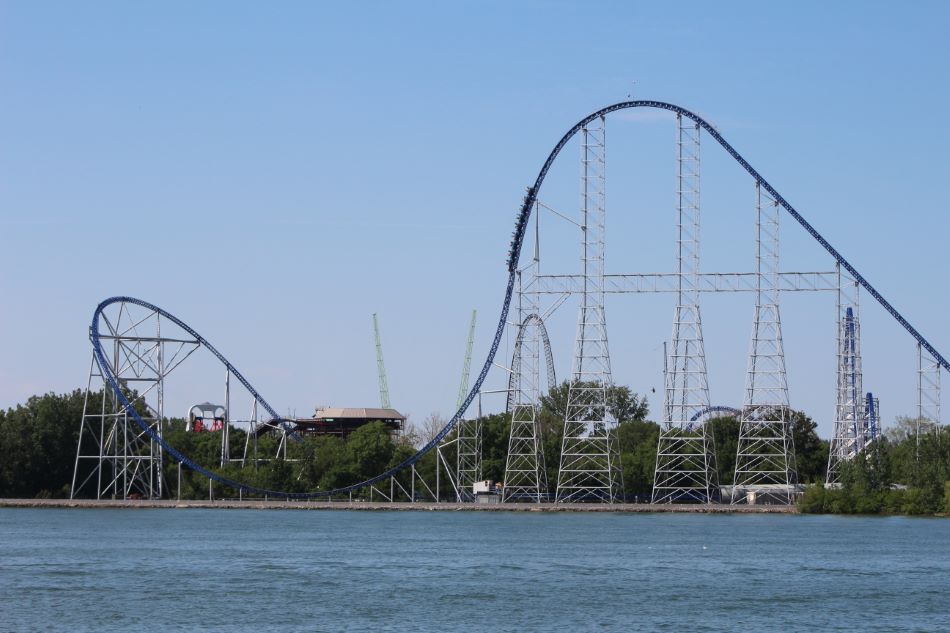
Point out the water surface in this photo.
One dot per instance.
(270, 570)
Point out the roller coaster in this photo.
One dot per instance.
(130, 351)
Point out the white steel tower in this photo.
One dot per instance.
(115, 457)
(685, 460)
(928, 392)
(589, 468)
(525, 477)
(765, 459)
(852, 428)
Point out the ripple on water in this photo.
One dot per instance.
(94, 571)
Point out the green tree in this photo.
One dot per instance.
(625, 405)
(811, 452)
(38, 444)
(637, 441)
(726, 436)
(369, 449)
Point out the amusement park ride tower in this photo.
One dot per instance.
(685, 458)
(590, 468)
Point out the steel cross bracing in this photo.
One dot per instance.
(852, 430)
(381, 367)
(928, 392)
(525, 478)
(685, 459)
(705, 282)
(467, 363)
(765, 458)
(589, 468)
(521, 224)
(873, 408)
(525, 474)
(468, 464)
(468, 437)
(115, 456)
(530, 199)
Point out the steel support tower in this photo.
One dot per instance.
(852, 432)
(872, 408)
(589, 468)
(467, 363)
(469, 434)
(468, 463)
(115, 457)
(525, 476)
(928, 392)
(381, 367)
(685, 459)
(765, 458)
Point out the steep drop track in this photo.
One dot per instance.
(513, 256)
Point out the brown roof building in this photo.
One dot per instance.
(343, 421)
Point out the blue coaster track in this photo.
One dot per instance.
(514, 255)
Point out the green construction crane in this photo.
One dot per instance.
(381, 368)
(467, 367)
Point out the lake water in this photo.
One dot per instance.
(270, 570)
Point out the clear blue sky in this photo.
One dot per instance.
(274, 174)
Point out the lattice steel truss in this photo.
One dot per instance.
(872, 408)
(468, 457)
(852, 431)
(928, 392)
(115, 458)
(469, 435)
(685, 459)
(589, 468)
(765, 459)
(525, 475)
(466, 438)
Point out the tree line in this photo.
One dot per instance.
(898, 474)
(903, 472)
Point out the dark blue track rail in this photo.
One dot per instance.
(514, 255)
(715, 409)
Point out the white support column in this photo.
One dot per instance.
(928, 393)
(589, 468)
(852, 426)
(525, 476)
(765, 459)
(685, 461)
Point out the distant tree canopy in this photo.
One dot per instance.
(38, 445)
(38, 449)
(898, 474)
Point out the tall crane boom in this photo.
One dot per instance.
(467, 367)
(381, 368)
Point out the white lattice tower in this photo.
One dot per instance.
(928, 392)
(525, 477)
(765, 459)
(115, 458)
(685, 460)
(872, 410)
(852, 431)
(468, 458)
(589, 468)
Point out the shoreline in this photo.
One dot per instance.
(383, 506)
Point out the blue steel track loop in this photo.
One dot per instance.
(516, 358)
(715, 409)
(514, 255)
